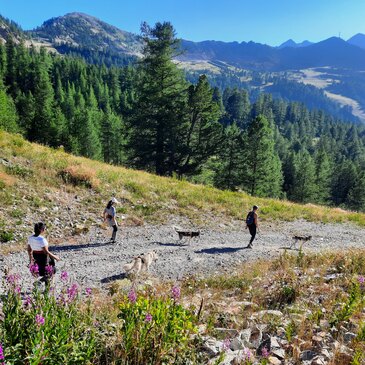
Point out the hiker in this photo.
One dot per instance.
(109, 216)
(39, 254)
(252, 224)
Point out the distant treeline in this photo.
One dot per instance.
(148, 116)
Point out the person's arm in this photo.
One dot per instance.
(29, 249)
(256, 220)
(50, 254)
(114, 216)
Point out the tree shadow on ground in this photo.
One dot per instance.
(215, 250)
(109, 279)
(78, 247)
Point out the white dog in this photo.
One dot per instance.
(140, 263)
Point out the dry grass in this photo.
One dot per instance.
(145, 196)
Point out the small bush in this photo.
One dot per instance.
(44, 328)
(6, 236)
(154, 331)
(79, 176)
(18, 170)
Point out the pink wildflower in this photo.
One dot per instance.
(226, 344)
(39, 320)
(2, 357)
(88, 291)
(28, 302)
(265, 352)
(132, 296)
(49, 270)
(34, 269)
(148, 317)
(246, 354)
(72, 292)
(13, 279)
(64, 275)
(361, 280)
(175, 292)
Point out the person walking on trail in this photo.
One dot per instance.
(109, 216)
(252, 224)
(41, 260)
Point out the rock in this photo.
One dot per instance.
(318, 360)
(268, 312)
(251, 337)
(325, 353)
(279, 353)
(274, 343)
(307, 355)
(348, 337)
(212, 347)
(237, 344)
(274, 360)
(227, 332)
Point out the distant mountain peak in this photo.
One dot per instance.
(82, 30)
(357, 40)
(292, 44)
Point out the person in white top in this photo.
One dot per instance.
(39, 254)
(109, 216)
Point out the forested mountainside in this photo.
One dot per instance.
(149, 117)
(97, 42)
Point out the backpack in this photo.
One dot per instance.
(250, 218)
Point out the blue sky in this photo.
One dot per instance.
(264, 21)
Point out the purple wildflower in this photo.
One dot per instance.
(13, 279)
(132, 296)
(49, 270)
(64, 275)
(175, 292)
(2, 357)
(226, 344)
(17, 289)
(39, 320)
(265, 352)
(72, 292)
(148, 317)
(34, 269)
(246, 354)
(88, 291)
(361, 280)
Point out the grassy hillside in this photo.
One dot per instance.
(37, 182)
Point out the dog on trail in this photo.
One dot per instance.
(141, 263)
(300, 239)
(182, 233)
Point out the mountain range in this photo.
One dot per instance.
(335, 66)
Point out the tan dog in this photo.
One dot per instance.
(141, 263)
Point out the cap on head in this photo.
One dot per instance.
(114, 200)
(255, 207)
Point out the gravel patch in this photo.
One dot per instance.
(94, 262)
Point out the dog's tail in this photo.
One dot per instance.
(128, 267)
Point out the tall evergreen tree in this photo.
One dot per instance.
(262, 175)
(160, 118)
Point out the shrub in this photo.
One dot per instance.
(44, 328)
(6, 236)
(19, 170)
(79, 176)
(154, 330)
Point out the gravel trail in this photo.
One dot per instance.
(94, 262)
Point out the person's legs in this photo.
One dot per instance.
(252, 229)
(114, 234)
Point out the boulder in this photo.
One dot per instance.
(307, 355)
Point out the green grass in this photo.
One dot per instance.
(149, 197)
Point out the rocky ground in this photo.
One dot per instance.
(94, 262)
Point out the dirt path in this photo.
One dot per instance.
(95, 263)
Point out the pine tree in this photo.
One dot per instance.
(304, 189)
(323, 177)
(204, 133)
(262, 169)
(8, 115)
(160, 117)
